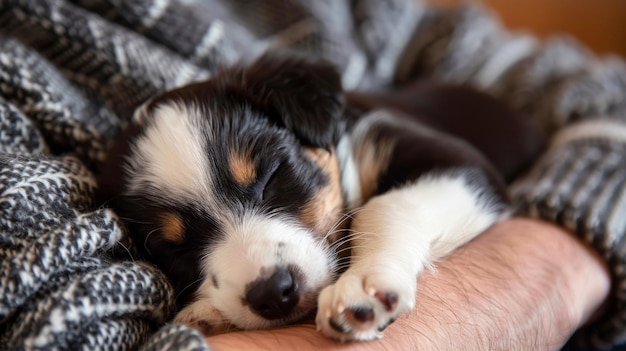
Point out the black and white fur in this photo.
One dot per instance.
(240, 189)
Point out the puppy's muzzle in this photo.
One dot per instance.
(276, 296)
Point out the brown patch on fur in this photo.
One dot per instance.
(172, 226)
(242, 169)
(372, 154)
(319, 155)
(325, 209)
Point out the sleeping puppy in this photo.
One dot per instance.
(246, 189)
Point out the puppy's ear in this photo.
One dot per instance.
(303, 95)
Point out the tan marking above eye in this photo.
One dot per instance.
(325, 208)
(242, 169)
(172, 227)
(319, 156)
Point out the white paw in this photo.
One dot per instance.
(203, 316)
(361, 306)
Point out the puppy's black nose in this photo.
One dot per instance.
(274, 297)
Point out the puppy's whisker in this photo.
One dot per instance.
(342, 267)
(132, 220)
(343, 230)
(345, 258)
(337, 244)
(355, 247)
(344, 239)
(186, 287)
(342, 235)
(352, 235)
(341, 220)
(366, 235)
(344, 264)
(349, 214)
(339, 252)
(130, 254)
(145, 241)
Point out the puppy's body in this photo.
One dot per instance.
(239, 188)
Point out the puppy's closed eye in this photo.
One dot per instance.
(272, 184)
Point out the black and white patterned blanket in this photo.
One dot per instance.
(69, 79)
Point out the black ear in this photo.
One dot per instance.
(302, 94)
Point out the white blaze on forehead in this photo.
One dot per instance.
(259, 242)
(172, 154)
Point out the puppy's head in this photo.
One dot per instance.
(232, 188)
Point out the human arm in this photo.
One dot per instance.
(508, 289)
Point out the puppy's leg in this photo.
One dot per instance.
(203, 315)
(425, 193)
(397, 235)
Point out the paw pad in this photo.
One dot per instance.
(360, 307)
(363, 314)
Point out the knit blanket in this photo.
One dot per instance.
(73, 71)
(69, 80)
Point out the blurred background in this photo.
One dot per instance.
(600, 24)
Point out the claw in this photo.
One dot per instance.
(338, 327)
(384, 326)
(340, 308)
(389, 300)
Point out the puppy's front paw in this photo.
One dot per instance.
(204, 317)
(361, 306)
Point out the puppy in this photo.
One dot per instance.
(245, 190)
